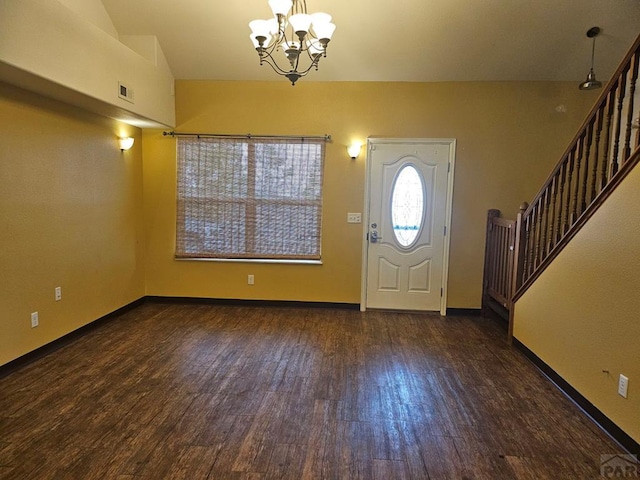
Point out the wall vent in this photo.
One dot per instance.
(125, 93)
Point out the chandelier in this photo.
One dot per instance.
(302, 38)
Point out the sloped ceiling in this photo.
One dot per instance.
(405, 40)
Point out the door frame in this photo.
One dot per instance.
(371, 143)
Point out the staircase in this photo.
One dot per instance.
(579, 322)
(602, 153)
(599, 157)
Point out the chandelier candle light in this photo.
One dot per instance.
(300, 36)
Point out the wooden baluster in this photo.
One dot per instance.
(506, 262)
(537, 233)
(534, 237)
(542, 234)
(527, 257)
(604, 178)
(559, 224)
(543, 225)
(576, 192)
(498, 252)
(545, 236)
(615, 164)
(496, 260)
(488, 259)
(539, 229)
(522, 244)
(596, 152)
(533, 217)
(552, 212)
(585, 167)
(567, 211)
(632, 91)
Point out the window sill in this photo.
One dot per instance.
(252, 260)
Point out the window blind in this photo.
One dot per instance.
(258, 198)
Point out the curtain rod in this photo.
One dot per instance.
(326, 138)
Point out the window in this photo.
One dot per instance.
(252, 198)
(407, 205)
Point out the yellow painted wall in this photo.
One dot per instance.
(509, 135)
(582, 315)
(71, 209)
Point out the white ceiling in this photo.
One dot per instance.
(402, 40)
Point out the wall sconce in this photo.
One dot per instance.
(125, 143)
(354, 150)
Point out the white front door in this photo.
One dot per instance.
(409, 187)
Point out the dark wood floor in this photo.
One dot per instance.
(218, 392)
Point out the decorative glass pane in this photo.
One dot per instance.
(407, 205)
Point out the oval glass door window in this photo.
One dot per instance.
(407, 205)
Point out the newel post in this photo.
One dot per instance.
(518, 263)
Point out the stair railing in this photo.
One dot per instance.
(601, 154)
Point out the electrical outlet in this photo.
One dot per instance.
(354, 218)
(623, 386)
(250, 279)
(58, 294)
(34, 320)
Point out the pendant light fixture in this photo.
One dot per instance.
(302, 38)
(591, 83)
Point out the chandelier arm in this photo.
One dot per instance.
(269, 60)
(296, 63)
(267, 56)
(312, 58)
(270, 50)
(275, 67)
(307, 70)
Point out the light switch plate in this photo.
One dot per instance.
(623, 386)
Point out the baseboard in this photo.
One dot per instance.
(615, 432)
(50, 347)
(253, 303)
(464, 312)
(467, 312)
